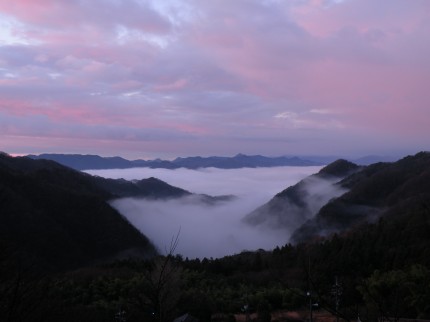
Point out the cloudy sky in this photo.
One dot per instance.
(166, 78)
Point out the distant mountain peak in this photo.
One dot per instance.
(339, 168)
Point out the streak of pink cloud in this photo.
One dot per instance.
(62, 14)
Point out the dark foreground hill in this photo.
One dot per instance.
(54, 216)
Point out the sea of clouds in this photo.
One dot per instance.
(208, 230)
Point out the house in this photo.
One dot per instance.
(186, 318)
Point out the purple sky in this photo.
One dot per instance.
(145, 79)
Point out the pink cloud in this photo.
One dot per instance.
(176, 85)
(221, 71)
(69, 15)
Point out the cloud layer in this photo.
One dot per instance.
(184, 77)
(208, 231)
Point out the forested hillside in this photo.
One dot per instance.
(54, 216)
(292, 207)
(378, 269)
(387, 190)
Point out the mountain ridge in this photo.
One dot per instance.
(95, 162)
(294, 205)
(363, 194)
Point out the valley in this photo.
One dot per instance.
(220, 228)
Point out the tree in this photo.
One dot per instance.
(156, 290)
(263, 311)
(398, 293)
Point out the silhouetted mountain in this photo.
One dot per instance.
(55, 216)
(151, 188)
(146, 188)
(370, 159)
(343, 195)
(240, 161)
(86, 162)
(365, 160)
(379, 190)
(338, 169)
(290, 208)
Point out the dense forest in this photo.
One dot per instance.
(371, 269)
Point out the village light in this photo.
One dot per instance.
(120, 316)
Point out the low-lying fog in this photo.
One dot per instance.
(208, 231)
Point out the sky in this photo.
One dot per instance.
(167, 78)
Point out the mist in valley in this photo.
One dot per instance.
(208, 230)
(301, 203)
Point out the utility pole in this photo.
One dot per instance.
(310, 305)
(336, 291)
(309, 294)
(245, 309)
